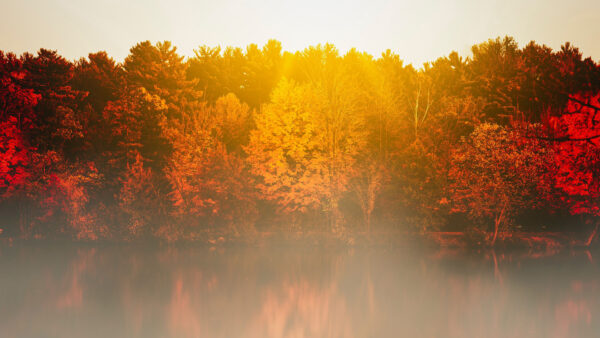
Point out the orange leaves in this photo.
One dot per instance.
(165, 145)
(76, 186)
(495, 174)
(209, 181)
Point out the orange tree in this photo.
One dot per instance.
(495, 174)
(209, 180)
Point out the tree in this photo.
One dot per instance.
(301, 149)
(284, 150)
(494, 72)
(377, 107)
(141, 201)
(15, 98)
(57, 125)
(161, 72)
(101, 77)
(575, 140)
(251, 74)
(134, 155)
(15, 158)
(103, 81)
(136, 122)
(233, 122)
(496, 174)
(366, 180)
(17, 105)
(209, 180)
(74, 186)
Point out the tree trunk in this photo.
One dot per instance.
(497, 223)
(496, 226)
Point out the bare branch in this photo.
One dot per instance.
(564, 138)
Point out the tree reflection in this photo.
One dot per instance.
(194, 292)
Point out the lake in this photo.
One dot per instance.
(134, 291)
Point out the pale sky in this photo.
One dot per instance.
(419, 30)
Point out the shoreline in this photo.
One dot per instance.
(548, 241)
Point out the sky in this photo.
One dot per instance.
(418, 30)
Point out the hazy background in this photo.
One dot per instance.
(418, 30)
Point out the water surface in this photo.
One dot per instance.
(126, 291)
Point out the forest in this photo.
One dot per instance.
(235, 144)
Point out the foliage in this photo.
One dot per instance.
(208, 178)
(173, 148)
(495, 175)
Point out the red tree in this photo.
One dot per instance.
(576, 166)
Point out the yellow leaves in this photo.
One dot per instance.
(301, 146)
(155, 102)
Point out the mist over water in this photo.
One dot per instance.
(124, 291)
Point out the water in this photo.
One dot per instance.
(120, 291)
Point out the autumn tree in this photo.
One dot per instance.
(250, 74)
(233, 121)
(301, 148)
(426, 112)
(16, 98)
(136, 122)
(16, 116)
(42, 131)
(161, 72)
(526, 83)
(495, 76)
(58, 126)
(103, 81)
(163, 146)
(575, 138)
(209, 179)
(262, 72)
(496, 174)
(141, 201)
(101, 77)
(377, 107)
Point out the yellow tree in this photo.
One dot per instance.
(302, 149)
(376, 105)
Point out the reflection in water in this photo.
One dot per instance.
(74, 293)
(195, 292)
(302, 310)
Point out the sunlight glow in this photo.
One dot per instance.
(418, 31)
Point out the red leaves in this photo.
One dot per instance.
(152, 144)
(576, 161)
(14, 159)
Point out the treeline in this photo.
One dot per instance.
(236, 142)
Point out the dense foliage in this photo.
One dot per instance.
(239, 142)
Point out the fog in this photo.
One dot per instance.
(128, 291)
